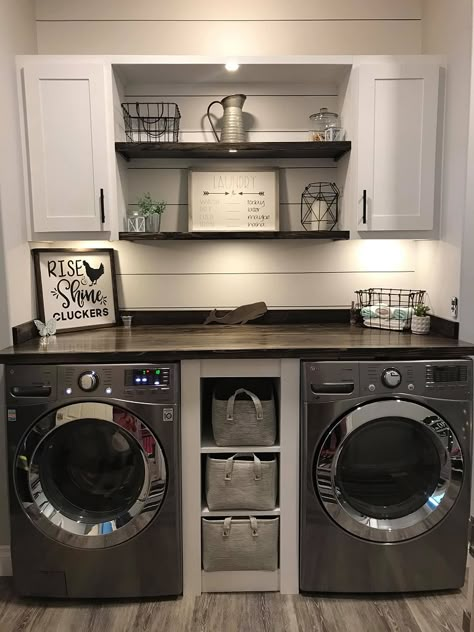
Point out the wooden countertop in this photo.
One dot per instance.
(166, 343)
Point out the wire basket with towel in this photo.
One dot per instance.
(388, 308)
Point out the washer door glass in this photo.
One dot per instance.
(90, 475)
(389, 470)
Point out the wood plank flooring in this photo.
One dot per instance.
(245, 612)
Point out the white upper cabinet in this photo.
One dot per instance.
(66, 137)
(396, 155)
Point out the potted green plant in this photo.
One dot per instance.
(420, 321)
(152, 210)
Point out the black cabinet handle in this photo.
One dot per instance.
(364, 206)
(102, 207)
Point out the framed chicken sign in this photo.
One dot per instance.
(76, 289)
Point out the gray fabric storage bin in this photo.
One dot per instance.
(244, 418)
(240, 544)
(243, 483)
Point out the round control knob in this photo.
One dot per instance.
(88, 381)
(391, 378)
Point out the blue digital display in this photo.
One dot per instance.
(150, 377)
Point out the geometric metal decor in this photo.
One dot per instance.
(320, 206)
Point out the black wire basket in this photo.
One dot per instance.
(388, 308)
(151, 122)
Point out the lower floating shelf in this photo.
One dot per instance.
(240, 581)
(334, 235)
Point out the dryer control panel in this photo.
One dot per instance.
(330, 381)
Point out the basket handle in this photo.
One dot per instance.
(228, 524)
(256, 402)
(254, 526)
(229, 466)
(226, 527)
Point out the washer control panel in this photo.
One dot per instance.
(141, 382)
(88, 381)
(391, 378)
(158, 377)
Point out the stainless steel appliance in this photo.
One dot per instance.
(385, 475)
(94, 473)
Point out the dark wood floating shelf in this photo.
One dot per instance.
(307, 149)
(202, 236)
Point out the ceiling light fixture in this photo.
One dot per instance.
(232, 66)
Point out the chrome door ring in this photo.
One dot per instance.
(415, 523)
(84, 532)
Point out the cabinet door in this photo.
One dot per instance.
(67, 146)
(398, 116)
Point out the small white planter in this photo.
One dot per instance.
(153, 223)
(420, 324)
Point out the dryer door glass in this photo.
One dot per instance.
(90, 475)
(389, 470)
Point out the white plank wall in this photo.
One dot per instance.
(225, 274)
(293, 274)
(183, 275)
(264, 28)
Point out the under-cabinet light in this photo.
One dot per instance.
(232, 66)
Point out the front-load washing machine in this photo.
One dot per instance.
(94, 473)
(385, 475)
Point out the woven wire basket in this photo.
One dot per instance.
(388, 308)
(151, 122)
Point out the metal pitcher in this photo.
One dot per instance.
(232, 123)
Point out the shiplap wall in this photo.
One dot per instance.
(293, 274)
(268, 27)
(187, 275)
(183, 275)
(227, 274)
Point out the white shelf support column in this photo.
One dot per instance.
(289, 476)
(191, 475)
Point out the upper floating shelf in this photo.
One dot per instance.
(308, 149)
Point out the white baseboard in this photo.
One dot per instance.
(5, 562)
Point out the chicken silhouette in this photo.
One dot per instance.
(94, 274)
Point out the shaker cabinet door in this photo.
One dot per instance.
(66, 138)
(397, 138)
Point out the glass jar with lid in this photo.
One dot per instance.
(321, 121)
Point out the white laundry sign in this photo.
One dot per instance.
(76, 288)
(233, 200)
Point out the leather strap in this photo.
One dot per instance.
(256, 402)
(229, 466)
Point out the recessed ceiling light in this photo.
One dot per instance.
(232, 66)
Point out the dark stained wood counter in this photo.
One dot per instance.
(166, 343)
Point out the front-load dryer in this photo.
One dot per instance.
(385, 475)
(94, 474)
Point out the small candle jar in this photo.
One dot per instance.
(321, 121)
(135, 223)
